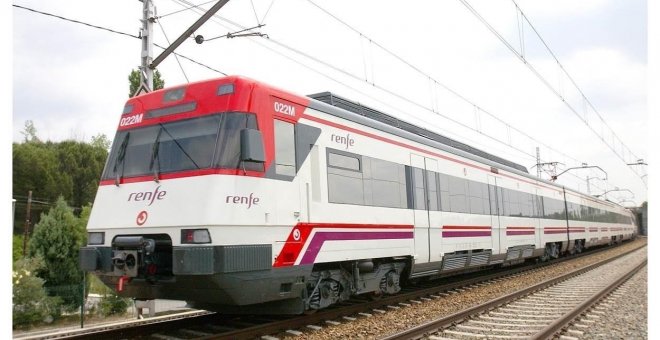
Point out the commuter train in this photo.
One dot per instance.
(240, 197)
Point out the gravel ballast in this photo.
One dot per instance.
(393, 321)
(622, 315)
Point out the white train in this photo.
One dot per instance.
(237, 196)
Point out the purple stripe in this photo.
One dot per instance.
(519, 232)
(555, 231)
(465, 233)
(320, 237)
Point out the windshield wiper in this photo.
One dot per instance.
(120, 158)
(154, 155)
(179, 145)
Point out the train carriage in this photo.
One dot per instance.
(237, 196)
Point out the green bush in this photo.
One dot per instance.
(31, 304)
(17, 248)
(112, 304)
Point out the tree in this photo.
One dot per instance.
(101, 141)
(83, 164)
(57, 239)
(134, 82)
(36, 167)
(29, 132)
(70, 168)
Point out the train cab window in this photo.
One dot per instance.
(191, 144)
(228, 151)
(285, 149)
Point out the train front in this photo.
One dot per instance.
(182, 203)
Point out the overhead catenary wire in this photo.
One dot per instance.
(175, 56)
(587, 101)
(76, 21)
(118, 32)
(184, 9)
(433, 80)
(521, 57)
(477, 107)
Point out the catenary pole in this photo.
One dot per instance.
(147, 54)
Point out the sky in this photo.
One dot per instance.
(434, 64)
(71, 79)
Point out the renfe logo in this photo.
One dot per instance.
(348, 141)
(147, 196)
(247, 200)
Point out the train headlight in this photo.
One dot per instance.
(95, 238)
(195, 236)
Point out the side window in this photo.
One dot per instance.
(285, 149)
(345, 184)
(387, 181)
(444, 192)
(336, 160)
(526, 204)
(458, 195)
(514, 202)
(478, 197)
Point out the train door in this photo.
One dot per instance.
(285, 168)
(495, 208)
(423, 202)
(538, 212)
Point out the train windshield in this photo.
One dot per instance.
(192, 144)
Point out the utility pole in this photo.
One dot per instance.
(147, 55)
(27, 223)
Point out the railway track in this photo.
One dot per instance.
(212, 326)
(541, 311)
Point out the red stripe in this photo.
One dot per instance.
(454, 227)
(182, 174)
(520, 232)
(292, 248)
(355, 225)
(517, 231)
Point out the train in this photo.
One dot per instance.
(240, 197)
